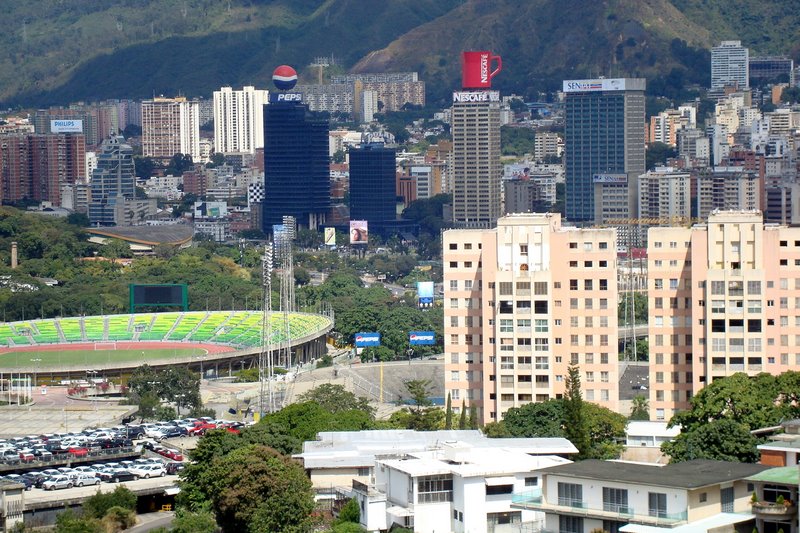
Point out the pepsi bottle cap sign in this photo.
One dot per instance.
(284, 77)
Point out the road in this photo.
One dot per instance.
(149, 521)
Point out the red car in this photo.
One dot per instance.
(201, 427)
(26, 457)
(78, 451)
(174, 455)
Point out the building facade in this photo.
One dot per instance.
(239, 120)
(665, 194)
(170, 126)
(296, 165)
(522, 303)
(113, 182)
(604, 135)
(727, 188)
(730, 66)
(722, 298)
(476, 170)
(373, 195)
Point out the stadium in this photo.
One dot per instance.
(215, 343)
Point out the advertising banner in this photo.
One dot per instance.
(421, 338)
(610, 178)
(364, 340)
(280, 98)
(330, 236)
(476, 69)
(425, 293)
(66, 126)
(359, 232)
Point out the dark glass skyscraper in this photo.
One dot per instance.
(296, 165)
(604, 136)
(373, 192)
(113, 181)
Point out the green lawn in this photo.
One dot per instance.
(89, 358)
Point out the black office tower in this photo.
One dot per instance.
(373, 190)
(296, 164)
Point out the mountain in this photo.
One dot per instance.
(56, 51)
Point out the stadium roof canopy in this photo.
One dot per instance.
(172, 234)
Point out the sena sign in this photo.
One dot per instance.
(476, 96)
(285, 97)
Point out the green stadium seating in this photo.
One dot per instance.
(209, 327)
(119, 328)
(71, 327)
(45, 332)
(187, 323)
(95, 328)
(161, 326)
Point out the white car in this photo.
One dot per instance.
(82, 479)
(148, 471)
(58, 482)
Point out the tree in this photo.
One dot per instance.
(462, 419)
(257, 489)
(335, 399)
(448, 415)
(97, 506)
(657, 154)
(118, 519)
(721, 440)
(194, 522)
(144, 167)
(474, 423)
(540, 419)
(575, 427)
(350, 512)
(69, 522)
(640, 409)
(422, 416)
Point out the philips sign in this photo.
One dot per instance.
(275, 98)
(610, 178)
(367, 339)
(66, 126)
(421, 338)
(476, 96)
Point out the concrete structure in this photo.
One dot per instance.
(694, 496)
(722, 298)
(170, 126)
(604, 135)
(337, 458)
(546, 144)
(729, 66)
(768, 69)
(239, 119)
(113, 182)
(521, 303)
(782, 201)
(458, 488)
(392, 89)
(727, 188)
(665, 193)
(775, 504)
(476, 169)
(531, 194)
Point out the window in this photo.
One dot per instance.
(453, 246)
(673, 283)
(570, 524)
(657, 504)
(540, 288)
(615, 500)
(541, 325)
(506, 325)
(587, 284)
(493, 490)
(603, 284)
(573, 284)
(506, 288)
(703, 497)
(570, 495)
(468, 285)
(718, 288)
(603, 245)
(532, 481)
(659, 283)
(435, 489)
(453, 284)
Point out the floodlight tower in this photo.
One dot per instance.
(266, 370)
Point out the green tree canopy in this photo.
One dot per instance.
(335, 399)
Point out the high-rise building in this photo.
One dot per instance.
(523, 302)
(728, 188)
(730, 66)
(476, 171)
(771, 69)
(393, 89)
(296, 164)
(170, 126)
(239, 120)
(35, 166)
(113, 181)
(665, 194)
(373, 195)
(546, 144)
(604, 143)
(722, 299)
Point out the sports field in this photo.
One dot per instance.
(90, 358)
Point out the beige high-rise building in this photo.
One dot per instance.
(729, 188)
(170, 126)
(524, 301)
(665, 193)
(723, 297)
(476, 169)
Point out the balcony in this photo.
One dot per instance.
(534, 500)
(773, 510)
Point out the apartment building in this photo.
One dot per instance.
(665, 193)
(723, 297)
(727, 188)
(170, 126)
(524, 301)
(694, 496)
(239, 119)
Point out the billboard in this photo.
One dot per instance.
(168, 294)
(330, 236)
(280, 98)
(476, 96)
(359, 232)
(210, 209)
(610, 178)
(66, 126)
(425, 293)
(603, 84)
(476, 69)
(421, 338)
(368, 339)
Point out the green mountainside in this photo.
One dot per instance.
(56, 51)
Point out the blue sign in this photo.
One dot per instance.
(368, 339)
(425, 293)
(421, 337)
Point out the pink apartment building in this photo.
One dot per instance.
(723, 297)
(522, 302)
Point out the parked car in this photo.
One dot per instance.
(148, 471)
(175, 431)
(82, 478)
(120, 474)
(78, 451)
(173, 468)
(58, 482)
(24, 480)
(10, 456)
